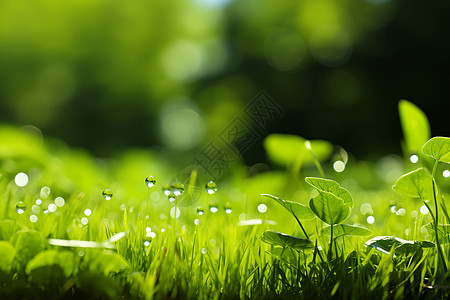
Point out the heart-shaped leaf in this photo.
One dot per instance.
(284, 240)
(443, 231)
(344, 229)
(415, 126)
(400, 246)
(297, 209)
(330, 186)
(51, 267)
(7, 253)
(287, 150)
(439, 148)
(333, 203)
(415, 184)
(27, 243)
(7, 229)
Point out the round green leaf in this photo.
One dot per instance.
(415, 184)
(344, 229)
(284, 240)
(27, 243)
(439, 148)
(7, 229)
(297, 209)
(7, 253)
(329, 208)
(287, 150)
(386, 243)
(332, 187)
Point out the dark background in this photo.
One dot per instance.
(104, 75)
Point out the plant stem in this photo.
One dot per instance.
(330, 250)
(436, 219)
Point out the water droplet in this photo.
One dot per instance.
(123, 207)
(38, 201)
(171, 197)
(414, 214)
(262, 208)
(21, 179)
(152, 234)
(107, 194)
(148, 229)
(446, 173)
(177, 188)
(242, 217)
(52, 207)
(204, 250)
(150, 181)
(366, 208)
(172, 213)
(213, 208)
(84, 221)
(370, 219)
(200, 211)
(163, 229)
(20, 207)
(87, 212)
(46, 212)
(423, 209)
(228, 209)
(33, 218)
(339, 166)
(59, 201)
(401, 212)
(211, 187)
(414, 158)
(196, 221)
(147, 243)
(45, 192)
(393, 209)
(166, 189)
(35, 209)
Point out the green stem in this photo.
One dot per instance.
(436, 220)
(301, 226)
(330, 250)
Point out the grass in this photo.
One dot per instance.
(351, 236)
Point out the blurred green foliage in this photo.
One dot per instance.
(107, 75)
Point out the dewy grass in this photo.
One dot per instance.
(354, 232)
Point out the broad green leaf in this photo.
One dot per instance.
(27, 243)
(283, 240)
(400, 246)
(416, 129)
(439, 148)
(64, 259)
(415, 184)
(330, 186)
(7, 229)
(299, 210)
(106, 263)
(344, 229)
(51, 267)
(333, 203)
(287, 150)
(329, 208)
(443, 231)
(7, 253)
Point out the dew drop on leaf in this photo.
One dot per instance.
(166, 189)
(107, 194)
(211, 187)
(171, 197)
(262, 208)
(177, 188)
(200, 211)
(20, 207)
(150, 181)
(228, 209)
(213, 208)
